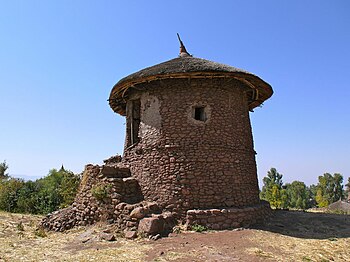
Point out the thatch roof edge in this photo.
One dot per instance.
(187, 67)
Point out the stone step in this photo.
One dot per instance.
(109, 171)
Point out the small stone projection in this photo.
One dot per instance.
(188, 157)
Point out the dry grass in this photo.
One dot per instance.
(304, 236)
(290, 236)
(25, 244)
(286, 248)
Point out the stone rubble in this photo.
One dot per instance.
(123, 206)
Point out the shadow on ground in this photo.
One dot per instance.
(308, 225)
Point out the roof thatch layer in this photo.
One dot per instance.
(188, 67)
(340, 205)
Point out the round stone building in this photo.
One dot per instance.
(188, 134)
(188, 158)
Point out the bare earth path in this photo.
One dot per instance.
(289, 236)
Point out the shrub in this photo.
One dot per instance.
(100, 192)
(9, 194)
(45, 195)
(199, 228)
(40, 232)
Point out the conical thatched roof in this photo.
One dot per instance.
(188, 67)
(340, 205)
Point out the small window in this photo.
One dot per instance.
(199, 113)
(133, 121)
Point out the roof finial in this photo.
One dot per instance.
(183, 51)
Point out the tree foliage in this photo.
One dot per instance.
(297, 195)
(272, 189)
(42, 196)
(347, 191)
(3, 168)
(329, 189)
(10, 193)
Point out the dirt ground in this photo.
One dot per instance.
(288, 236)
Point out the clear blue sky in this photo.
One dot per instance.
(60, 59)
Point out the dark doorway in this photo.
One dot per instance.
(134, 121)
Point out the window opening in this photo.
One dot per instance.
(134, 121)
(199, 113)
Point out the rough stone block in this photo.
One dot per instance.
(106, 236)
(138, 212)
(151, 225)
(130, 234)
(114, 171)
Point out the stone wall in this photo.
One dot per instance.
(107, 193)
(227, 218)
(183, 163)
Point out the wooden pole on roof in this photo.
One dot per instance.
(183, 51)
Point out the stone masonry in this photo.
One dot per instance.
(122, 204)
(191, 164)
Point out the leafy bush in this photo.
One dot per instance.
(45, 195)
(199, 228)
(40, 232)
(56, 190)
(3, 168)
(10, 193)
(100, 192)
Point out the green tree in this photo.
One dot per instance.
(275, 196)
(329, 189)
(348, 189)
(28, 201)
(9, 194)
(338, 191)
(284, 198)
(57, 189)
(68, 187)
(312, 191)
(298, 195)
(271, 191)
(3, 168)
